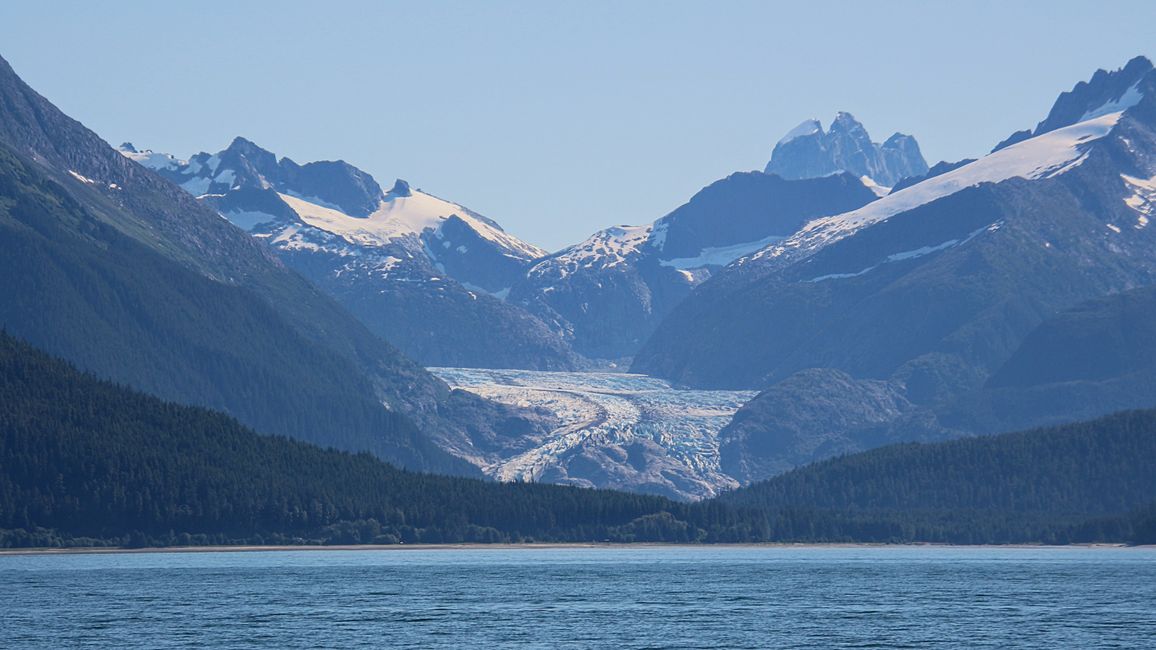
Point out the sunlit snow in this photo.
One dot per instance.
(402, 216)
(610, 409)
(1043, 156)
(720, 255)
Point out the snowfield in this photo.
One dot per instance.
(1043, 156)
(613, 429)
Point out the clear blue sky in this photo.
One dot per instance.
(557, 119)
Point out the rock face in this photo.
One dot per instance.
(809, 152)
(108, 265)
(427, 274)
(812, 414)
(610, 291)
(933, 289)
(1106, 92)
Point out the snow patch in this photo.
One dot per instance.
(1044, 156)
(246, 220)
(153, 160)
(1142, 199)
(81, 178)
(1128, 99)
(602, 250)
(720, 255)
(804, 129)
(197, 186)
(400, 217)
(876, 188)
(227, 176)
(912, 254)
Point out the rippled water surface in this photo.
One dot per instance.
(633, 597)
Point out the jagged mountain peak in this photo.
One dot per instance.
(898, 140)
(241, 144)
(1106, 92)
(807, 151)
(846, 122)
(400, 189)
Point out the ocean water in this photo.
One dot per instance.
(629, 597)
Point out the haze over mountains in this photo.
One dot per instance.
(424, 273)
(865, 314)
(914, 303)
(861, 296)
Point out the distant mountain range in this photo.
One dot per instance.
(92, 463)
(867, 297)
(424, 273)
(119, 271)
(943, 308)
(612, 290)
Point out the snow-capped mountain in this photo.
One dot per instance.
(1106, 92)
(611, 290)
(886, 322)
(807, 151)
(112, 268)
(425, 273)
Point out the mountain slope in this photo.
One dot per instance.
(930, 289)
(123, 273)
(1083, 470)
(422, 272)
(613, 289)
(1106, 92)
(940, 261)
(87, 461)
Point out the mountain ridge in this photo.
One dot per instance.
(422, 272)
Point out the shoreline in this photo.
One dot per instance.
(249, 548)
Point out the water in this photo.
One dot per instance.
(631, 597)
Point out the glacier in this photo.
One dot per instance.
(615, 430)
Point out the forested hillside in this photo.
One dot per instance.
(88, 462)
(1032, 485)
(85, 461)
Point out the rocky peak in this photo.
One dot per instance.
(400, 189)
(1106, 92)
(809, 152)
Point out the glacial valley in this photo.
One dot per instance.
(615, 430)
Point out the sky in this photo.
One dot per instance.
(559, 118)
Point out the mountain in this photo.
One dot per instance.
(1106, 92)
(931, 290)
(89, 462)
(610, 291)
(92, 463)
(424, 273)
(807, 151)
(1077, 482)
(1095, 358)
(113, 268)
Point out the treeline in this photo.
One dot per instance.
(84, 290)
(1055, 485)
(86, 462)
